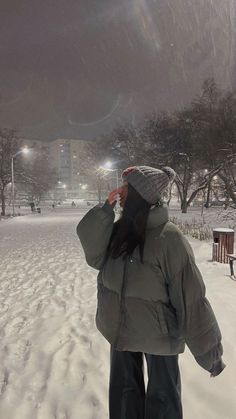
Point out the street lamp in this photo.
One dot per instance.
(107, 166)
(24, 150)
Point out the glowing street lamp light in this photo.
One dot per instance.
(108, 166)
(24, 150)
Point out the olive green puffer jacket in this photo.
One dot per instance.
(155, 307)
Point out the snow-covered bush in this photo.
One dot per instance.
(229, 216)
(193, 228)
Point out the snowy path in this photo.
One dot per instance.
(51, 365)
(54, 363)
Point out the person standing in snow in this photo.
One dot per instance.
(151, 297)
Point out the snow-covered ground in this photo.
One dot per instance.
(46, 206)
(54, 363)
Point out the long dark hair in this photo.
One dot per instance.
(129, 231)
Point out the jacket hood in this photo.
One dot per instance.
(157, 216)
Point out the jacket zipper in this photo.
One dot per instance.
(122, 305)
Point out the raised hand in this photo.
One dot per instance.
(114, 195)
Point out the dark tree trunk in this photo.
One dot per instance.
(207, 204)
(184, 202)
(184, 206)
(228, 187)
(3, 200)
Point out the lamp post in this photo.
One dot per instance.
(107, 167)
(24, 150)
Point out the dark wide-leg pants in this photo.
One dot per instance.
(127, 396)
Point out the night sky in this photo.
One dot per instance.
(74, 69)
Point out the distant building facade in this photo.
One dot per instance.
(63, 156)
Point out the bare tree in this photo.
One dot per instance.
(93, 155)
(228, 176)
(198, 142)
(172, 143)
(130, 145)
(38, 177)
(9, 145)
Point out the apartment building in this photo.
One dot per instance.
(64, 157)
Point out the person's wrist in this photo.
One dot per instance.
(111, 202)
(108, 207)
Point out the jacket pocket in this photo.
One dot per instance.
(162, 320)
(107, 314)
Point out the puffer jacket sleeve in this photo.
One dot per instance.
(94, 231)
(195, 315)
